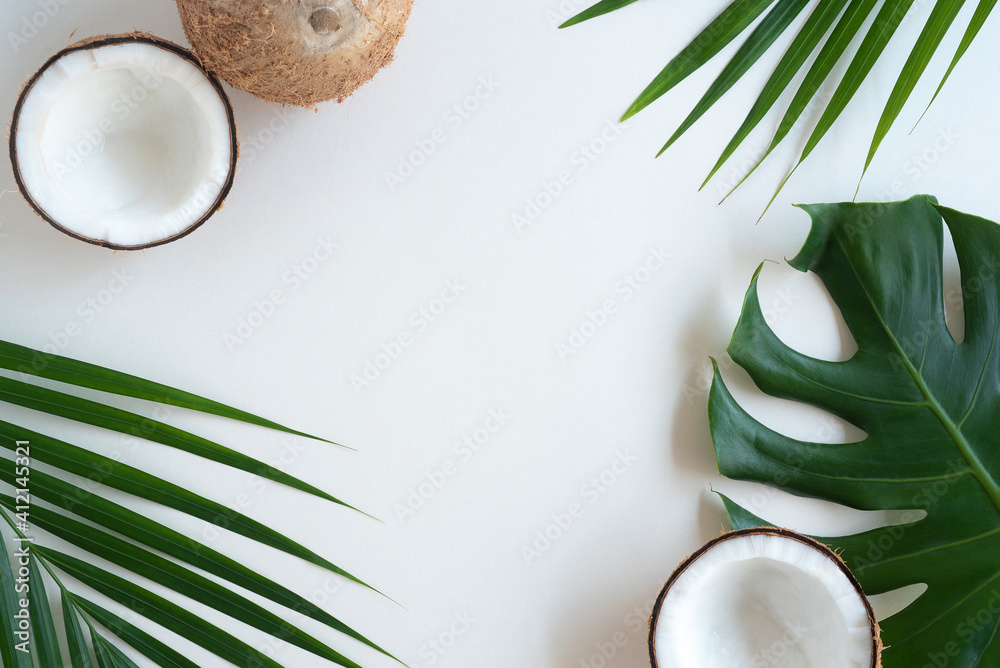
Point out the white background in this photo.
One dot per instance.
(637, 388)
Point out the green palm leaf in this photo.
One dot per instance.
(843, 34)
(929, 407)
(602, 7)
(940, 20)
(158, 609)
(120, 476)
(150, 647)
(739, 15)
(874, 44)
(78, 652)
(115, 419)
(127, 539)
(9, 606)
(45, 642)
(805, 43)
(138, 527)
(983, 11)
(109, 656)
(723, 30)
(761, 39)
(83, 374)
(177, 578)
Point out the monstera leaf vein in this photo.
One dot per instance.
(978, 470)
(980, 382)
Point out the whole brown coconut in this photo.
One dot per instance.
(295, 51)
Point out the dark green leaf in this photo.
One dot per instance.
(43, 628)
(940, 20)
(886, 22)
(78, 653)
(740, 15)
(181, 580)
(927, 404)
(602, 7)
(795, 57)
(120, 520)
(134, 525)
(739, 517)
(66, 370)
(874, 43)
(106, 471)
(157, 609)
(107, 417)
(736, 18)
(147, 645)
(760, 40)
(983, 10)
(836, 45)
(9, 641)
(109, 656)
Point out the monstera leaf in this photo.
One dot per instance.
(930, 408)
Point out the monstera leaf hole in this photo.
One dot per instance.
(800, 311)
(763, 597)
(954, 313)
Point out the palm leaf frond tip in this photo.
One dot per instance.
(822, 38)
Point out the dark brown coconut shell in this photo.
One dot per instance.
(876, 633)
(298, 52)
(105, 40)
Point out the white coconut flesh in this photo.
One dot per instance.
(128, 144)
(763, 600)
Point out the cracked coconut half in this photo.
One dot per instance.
(123, 141)
(298, 52)
(763, 597)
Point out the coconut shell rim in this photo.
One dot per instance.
(110, 40)
(782, 533)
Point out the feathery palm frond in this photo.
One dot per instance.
(839, 22)
(132, 542)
